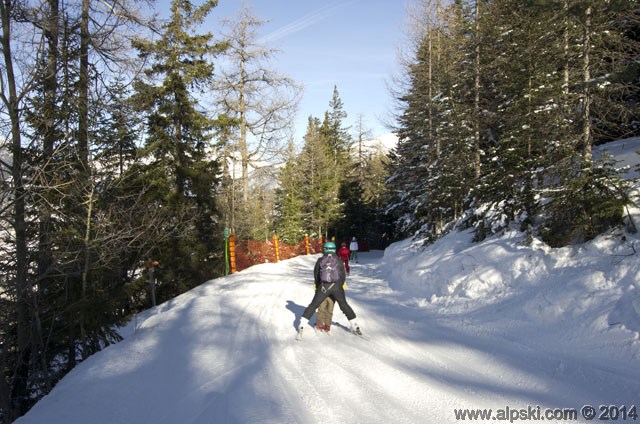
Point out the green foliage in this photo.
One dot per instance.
(74, 273)
(290, 201)
(320, 180)
(181, 180)
(327, 190)
(586, 205)
(494, 111)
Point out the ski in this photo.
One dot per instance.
(357, 332)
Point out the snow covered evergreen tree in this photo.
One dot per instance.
(501, 112)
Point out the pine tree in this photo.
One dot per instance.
(378, 229)
(522, 85)
(587, 196)
(290, 201)
(320, 180)
(73, 293)
(430, 171)
(181, 177)
(118, 129)
(336, 135)
(504, 103)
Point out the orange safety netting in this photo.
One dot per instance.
(249, 252)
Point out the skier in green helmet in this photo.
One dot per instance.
(329, 276)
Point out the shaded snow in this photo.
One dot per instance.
(626, 153)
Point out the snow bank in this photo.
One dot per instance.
(580, 290)
(597, 282)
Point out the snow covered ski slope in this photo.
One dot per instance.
(453, 328)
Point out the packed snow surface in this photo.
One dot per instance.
(451, 327)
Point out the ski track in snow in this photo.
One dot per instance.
(226, 352)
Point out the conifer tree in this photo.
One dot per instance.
(430, 168)
(588, 196)
(182, 178)
(521, 83)
(337, 136)
(320, 180)
(69, 276)
(290, 201)
(521, 89)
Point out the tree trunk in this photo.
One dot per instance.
(430, 94)
(83, 88)
(567, 25)
(587, 135)
(244, 149)
(476, 87)
(85, 270)
(49, 131)
(19, 389)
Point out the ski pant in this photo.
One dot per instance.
(346, 265)
(325, 290)
(324, 316)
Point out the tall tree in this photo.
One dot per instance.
(17, 401)
(335, 132)
(429, 170)
(290, 201)
(182, 177)
(521, 89)
(354, 214)
(320, 180)
(261, 100)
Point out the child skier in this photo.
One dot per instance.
(329, 276)
(344, 254)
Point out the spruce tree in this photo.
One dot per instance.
(335, 133)
(320, 179)
(430, 167)
(502, 109)
(290, 201)
(180, 175)
(587, 195)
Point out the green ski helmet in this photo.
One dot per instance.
(329, 247)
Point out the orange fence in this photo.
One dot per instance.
(246, 253)
(249, 252)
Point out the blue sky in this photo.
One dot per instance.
(352, 44)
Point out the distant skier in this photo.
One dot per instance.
(344, 254)
(329, 275)
(353, 247)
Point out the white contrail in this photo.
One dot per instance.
(306, 21)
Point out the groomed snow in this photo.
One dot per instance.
(458, 325)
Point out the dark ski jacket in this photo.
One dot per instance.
(341, 270)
